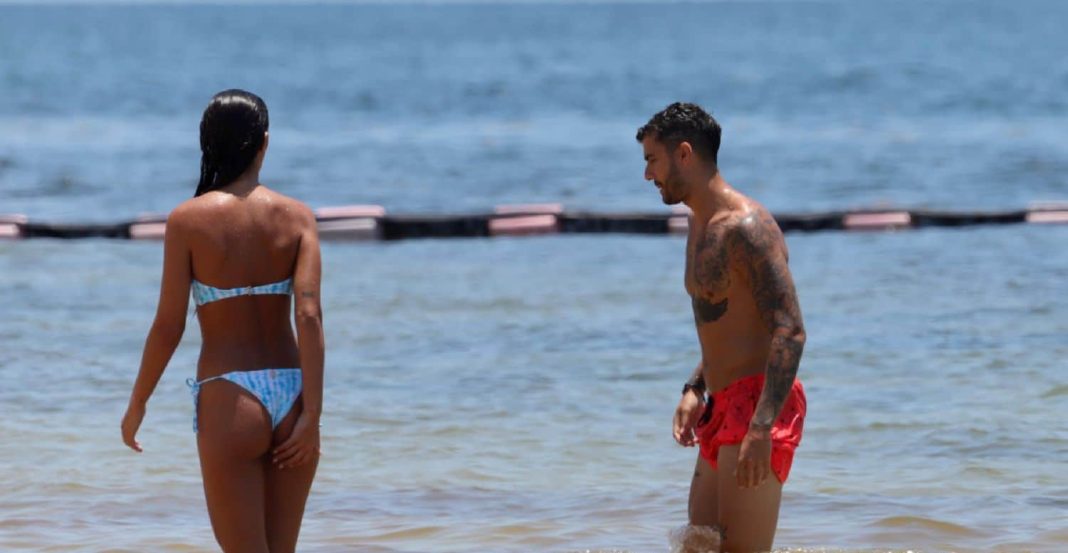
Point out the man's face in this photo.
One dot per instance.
(661, 169)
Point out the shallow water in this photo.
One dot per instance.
(515, 394)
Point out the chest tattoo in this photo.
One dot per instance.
(707, 312)
(711, 270)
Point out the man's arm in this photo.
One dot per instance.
(762, 257)
(697, 379)
(691, 404)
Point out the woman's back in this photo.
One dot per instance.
(237, 240)
(246, 254)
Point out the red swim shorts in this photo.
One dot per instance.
(732, 408)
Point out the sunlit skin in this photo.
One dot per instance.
(748, 323)
(256, 479)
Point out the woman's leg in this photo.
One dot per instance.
(234, 435)
(286, 491)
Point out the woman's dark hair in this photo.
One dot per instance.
(231, 134)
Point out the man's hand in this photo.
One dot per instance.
(754, 458)
(686, 416)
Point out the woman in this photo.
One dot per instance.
(243, 250)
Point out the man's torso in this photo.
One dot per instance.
(734, 337)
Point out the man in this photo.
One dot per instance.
(751, 335)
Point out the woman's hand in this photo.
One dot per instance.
(301, 446)
(131, 421)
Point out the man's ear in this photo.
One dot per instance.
(684, 153)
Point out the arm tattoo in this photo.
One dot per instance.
(758, 246)
(307, 294)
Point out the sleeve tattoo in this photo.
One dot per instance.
(776, 299)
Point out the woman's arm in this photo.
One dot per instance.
(308, 312)
(167, 328)
(303, 444)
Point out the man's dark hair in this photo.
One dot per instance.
(685, 122)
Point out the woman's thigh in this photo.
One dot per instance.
(234, 434)
(286, 492)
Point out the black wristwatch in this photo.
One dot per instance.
(695, 384)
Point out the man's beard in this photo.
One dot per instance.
(669, 189)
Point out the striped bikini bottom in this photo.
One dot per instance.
(277, 390)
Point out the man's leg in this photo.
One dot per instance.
(702, 535)
(748, 517)
(704, 495)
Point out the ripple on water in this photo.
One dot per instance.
(1056, 391)
(928, 524)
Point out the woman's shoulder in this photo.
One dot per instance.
(204, 211)
(298, 210)
(185, 213)
(196, 210)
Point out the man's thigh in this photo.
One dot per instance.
(704, 495)
(747, 516)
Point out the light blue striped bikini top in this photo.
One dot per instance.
(202, 293)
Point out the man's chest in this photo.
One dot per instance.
(709, 272)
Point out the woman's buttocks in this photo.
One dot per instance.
(249, 333)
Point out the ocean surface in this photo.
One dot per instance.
(515, 395)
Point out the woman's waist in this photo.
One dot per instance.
(238, 340)
(222, 358)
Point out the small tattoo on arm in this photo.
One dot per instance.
(307, 294)
(706, 312)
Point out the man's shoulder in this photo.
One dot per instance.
(752, 222)
(748, 233)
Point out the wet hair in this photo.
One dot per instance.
(683, 122)
(231, 134)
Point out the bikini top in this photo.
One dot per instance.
(202, 293)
